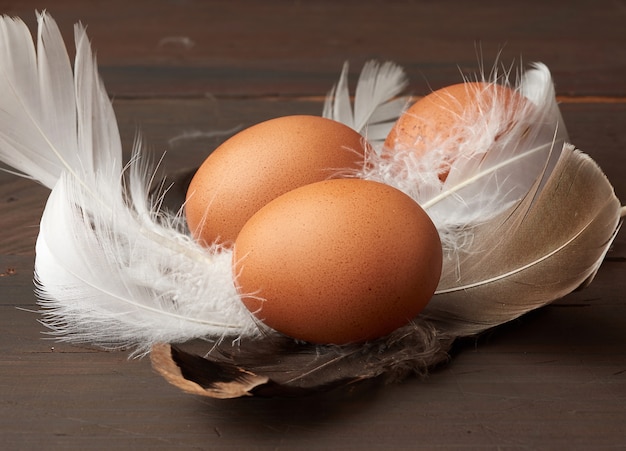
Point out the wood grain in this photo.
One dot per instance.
(242, 48)
(188, 73)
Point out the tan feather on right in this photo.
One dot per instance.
(546, 246)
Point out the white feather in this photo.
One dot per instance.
(118, 278)
(376, 107)
(29, 85)
(110, 268)
(493, 170)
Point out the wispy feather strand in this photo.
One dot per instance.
(376, 102)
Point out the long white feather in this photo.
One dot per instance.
(110, 268)
(31, 84)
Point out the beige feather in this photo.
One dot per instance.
(545, 247)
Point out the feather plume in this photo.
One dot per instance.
(551, 243)
(493, 169)
(111, 269)
(376, 107)
(35, 87)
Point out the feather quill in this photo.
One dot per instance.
(111, 269)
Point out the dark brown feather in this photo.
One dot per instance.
(280, 366)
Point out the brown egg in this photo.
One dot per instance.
(261, 163)
(443, 116)
(338, 261)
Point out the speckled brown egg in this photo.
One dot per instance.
(262, 162)
(338, 261)
(447, 116)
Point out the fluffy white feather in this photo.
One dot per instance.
(111, 269)
(492, 169)
(118, 278)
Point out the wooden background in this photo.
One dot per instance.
(186, 72)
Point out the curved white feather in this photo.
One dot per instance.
(110, 268)
(119, 279)
(28, 132)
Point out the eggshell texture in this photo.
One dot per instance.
(262, 162)
(338, 261)
(446, 115)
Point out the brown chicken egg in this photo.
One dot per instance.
(262, 162)
(338, 261)
(444, 117)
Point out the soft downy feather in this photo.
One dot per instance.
(111, 269)
(501, 149)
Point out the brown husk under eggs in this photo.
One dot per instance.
(281, 366)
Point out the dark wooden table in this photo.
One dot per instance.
(184, 70)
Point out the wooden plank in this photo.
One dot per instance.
(534, 382)
(21, 204)
(242, 48)
(187, 130)
(554, 379)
